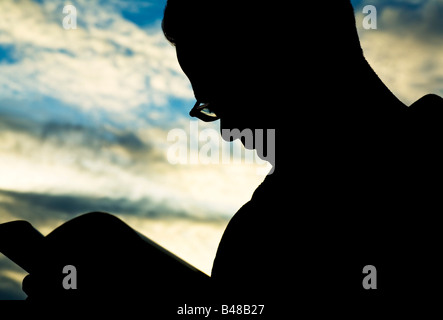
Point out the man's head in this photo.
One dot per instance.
(254, 62)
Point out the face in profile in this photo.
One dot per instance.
(220, 84)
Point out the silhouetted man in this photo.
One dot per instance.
(348, 217)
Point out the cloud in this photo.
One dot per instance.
(87, 106)
(107, 63)
(421, 19)
(83, 106)
(405, 49)
(105, 162)
(39, 207)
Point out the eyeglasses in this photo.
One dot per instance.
(204, 112)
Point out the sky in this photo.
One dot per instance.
(86, 117)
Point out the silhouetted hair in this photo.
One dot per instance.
(286, 24)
